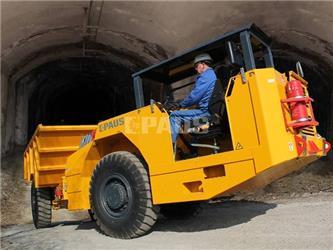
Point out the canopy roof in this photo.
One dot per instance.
(180, 65)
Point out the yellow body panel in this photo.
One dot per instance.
(47, 152)
(240, 109)
(275, 142)
(263, 149)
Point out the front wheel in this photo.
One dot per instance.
(120, 196)
(41, 206)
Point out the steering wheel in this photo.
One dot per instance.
(170, 105)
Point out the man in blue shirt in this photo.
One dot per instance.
(198, 97)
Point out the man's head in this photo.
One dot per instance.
(202, 62)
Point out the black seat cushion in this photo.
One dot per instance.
(216, 104)
(212, 132)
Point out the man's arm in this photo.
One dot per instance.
(196, 94)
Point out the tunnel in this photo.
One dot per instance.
(78, 91)
(70, 63)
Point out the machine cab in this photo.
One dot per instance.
(233, 125)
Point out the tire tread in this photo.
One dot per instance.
(42, 210)
(147, 217)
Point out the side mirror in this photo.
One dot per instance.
(299, 69)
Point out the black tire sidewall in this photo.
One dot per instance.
(41, 206)
(112, 166)
(34, 203)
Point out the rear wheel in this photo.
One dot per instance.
(183, 210)
(41, 206)
(120, 196)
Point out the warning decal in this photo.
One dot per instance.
(239, 146)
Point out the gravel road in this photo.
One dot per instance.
(299, 223)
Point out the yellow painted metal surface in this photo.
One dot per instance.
(276, 144)
(241, 114)
(47, 152)
(263, 149)
(196, 184)
(78, 176)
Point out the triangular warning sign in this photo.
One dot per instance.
(239, 146)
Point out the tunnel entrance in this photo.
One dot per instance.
(78, 91)
(81, 104)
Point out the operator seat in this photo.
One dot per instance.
(216, 104)
(216, 108)
(218, 120)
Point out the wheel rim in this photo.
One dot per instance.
(116, 196)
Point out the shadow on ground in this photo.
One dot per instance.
(217, 215)
(214, 216)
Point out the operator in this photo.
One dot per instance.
(198, 97)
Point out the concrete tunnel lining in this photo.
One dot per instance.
(132, 36)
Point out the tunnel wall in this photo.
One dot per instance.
(142, 33)
(21, 114)
(8, 99)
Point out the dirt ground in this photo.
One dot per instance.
(15, 193)
(293, 212)
(297, 223)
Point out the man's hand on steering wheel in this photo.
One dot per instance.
(170, 106)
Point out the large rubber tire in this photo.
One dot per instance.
(41, 206)
(179, 211)
(120, 196)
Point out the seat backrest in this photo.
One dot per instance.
(216, 103)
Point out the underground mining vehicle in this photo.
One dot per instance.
(125, 170)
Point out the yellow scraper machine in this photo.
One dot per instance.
(125, 170)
